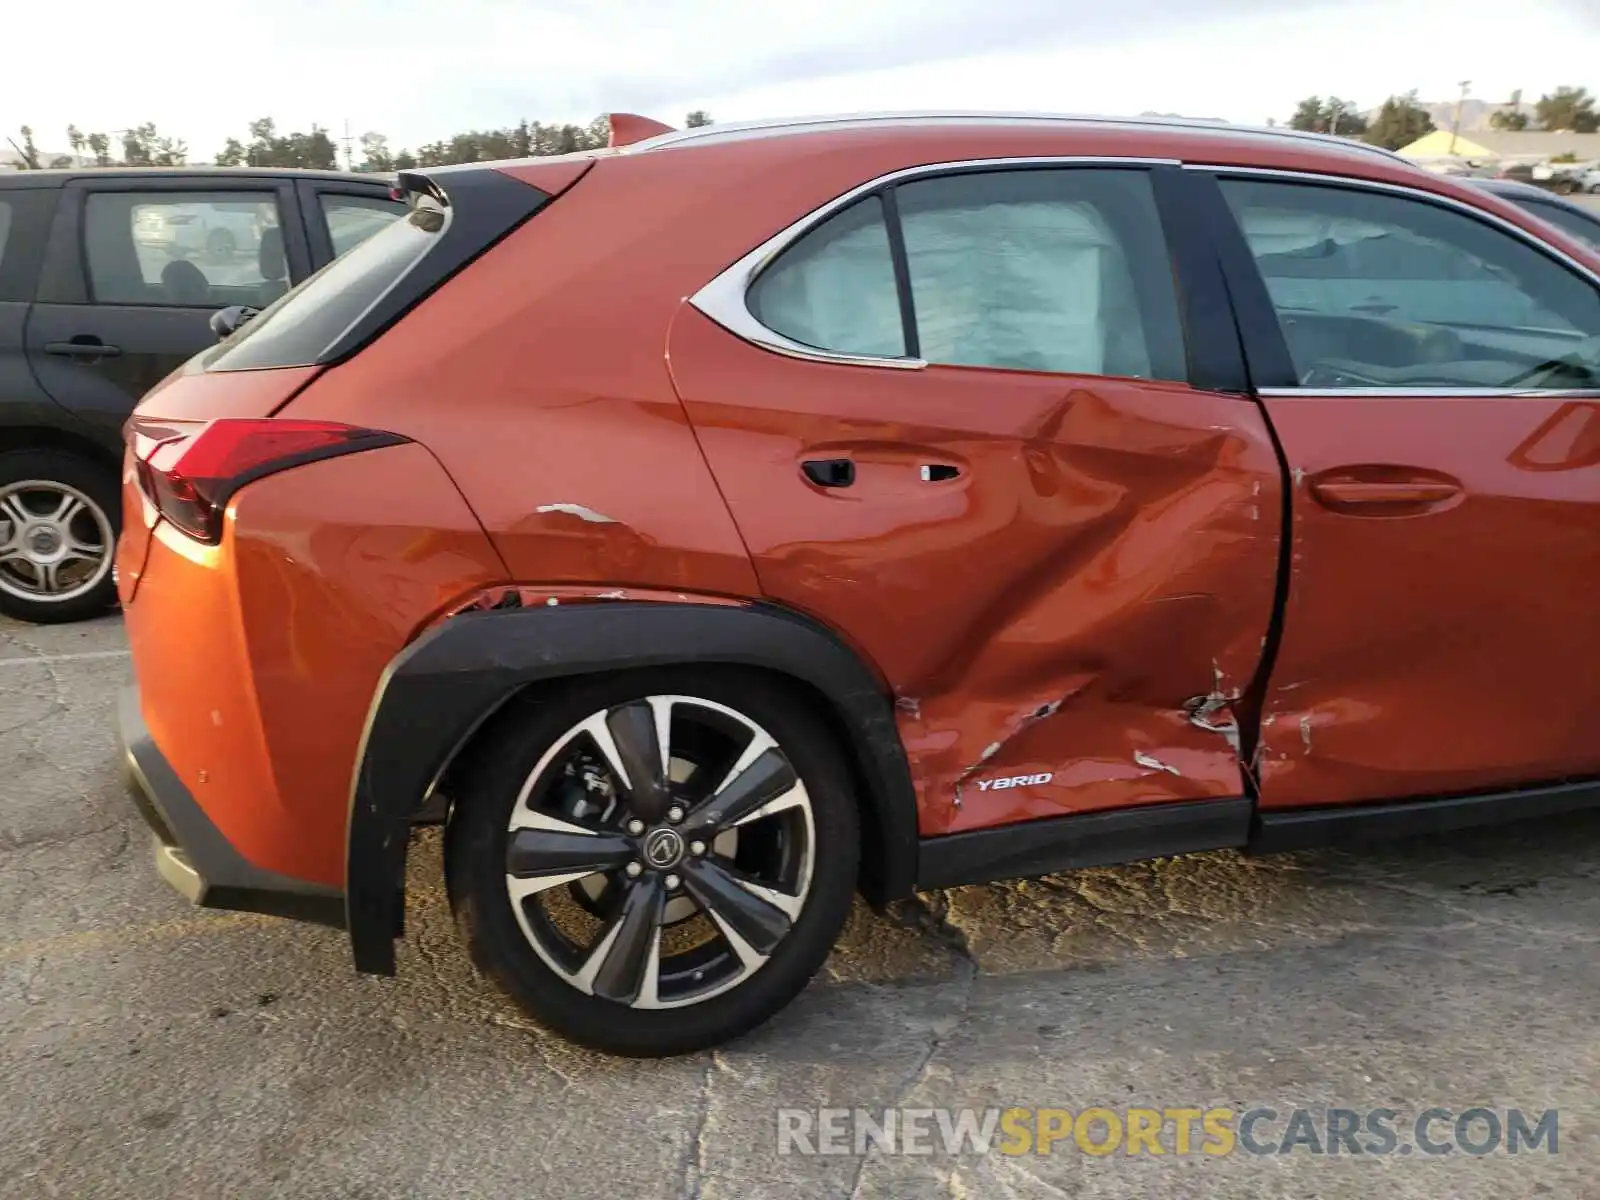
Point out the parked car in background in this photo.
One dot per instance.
(108, 281)
(216, 231)
(1578, 220)
(1568, 178)
(704, 528)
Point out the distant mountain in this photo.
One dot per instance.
(1475, 113)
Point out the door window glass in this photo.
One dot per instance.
(185, 249)
(834, 289)
(1375, 290)
(1570, 220)
(1042, 270)
(351, 220)
(24, 225)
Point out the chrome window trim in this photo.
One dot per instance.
(1415, 193)
(725, 298)
(780, 126)
(1412, 393)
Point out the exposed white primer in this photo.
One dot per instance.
(1153, 763)
(582, 512)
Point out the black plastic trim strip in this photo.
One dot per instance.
(1276, 832)
(902, 273)
(486, 206)
(442, 688)
(1099, 839)
(1211, 331)
(1266, 350)
(194, 855)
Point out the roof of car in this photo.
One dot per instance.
(1200, 129)
(56, 178)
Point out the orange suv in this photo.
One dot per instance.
(707, 527)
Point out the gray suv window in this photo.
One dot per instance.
(183, 249)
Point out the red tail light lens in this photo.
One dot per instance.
(189, 470)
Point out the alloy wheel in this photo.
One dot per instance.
(659, 852)
(55, 541)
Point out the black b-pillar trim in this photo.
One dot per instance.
(447, 683)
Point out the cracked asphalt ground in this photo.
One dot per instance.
(149, 1049)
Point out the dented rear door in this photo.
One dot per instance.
(1431, 374)
(1054, 533)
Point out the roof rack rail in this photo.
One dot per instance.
(781, 124)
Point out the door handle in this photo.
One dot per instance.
(1384, 493)
(82, 348)
(830, 472)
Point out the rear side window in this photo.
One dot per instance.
(300, 327)
(1042, 270)
(351, 220)
(835, 288)
(182, 249)
(24, 222)
(1056, 270)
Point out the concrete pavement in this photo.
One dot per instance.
(152, 1050)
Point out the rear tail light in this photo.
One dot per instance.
(189, 471)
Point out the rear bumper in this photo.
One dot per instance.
(192, 854)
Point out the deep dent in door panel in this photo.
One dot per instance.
(1104, 564)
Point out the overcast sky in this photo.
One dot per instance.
(422, 69)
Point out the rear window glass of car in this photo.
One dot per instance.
(299, 328)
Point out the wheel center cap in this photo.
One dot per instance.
(44, 541)
(663, 848)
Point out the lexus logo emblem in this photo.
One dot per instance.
(663, 848)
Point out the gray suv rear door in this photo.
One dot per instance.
(134, 269)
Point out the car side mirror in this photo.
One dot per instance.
(225, 322)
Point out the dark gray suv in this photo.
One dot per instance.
(108, 281)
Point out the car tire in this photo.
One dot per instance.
(36, 488)
(684, 996)
(220, 245)
(1566, 187)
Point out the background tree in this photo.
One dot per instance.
(268, 148)
(100, 147)
(1568, 108)
(26, 150)
(375, 155)
(1308, 116)
(1508, 120)
(75, 140)
(1333, 115)
(696, 119)
(143, 146)
(1400, 122)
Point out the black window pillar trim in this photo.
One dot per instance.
(1213, 342)
(444, 686)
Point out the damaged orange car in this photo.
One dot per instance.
(709, 527)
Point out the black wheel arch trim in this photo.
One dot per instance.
(441, 689)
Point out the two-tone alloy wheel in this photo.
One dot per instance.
(58, 531)
(651, 867)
